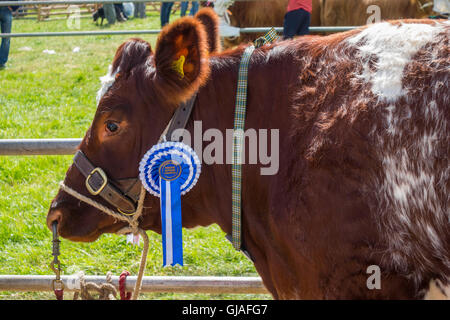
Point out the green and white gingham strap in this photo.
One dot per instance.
(269, 37)
(238, 137)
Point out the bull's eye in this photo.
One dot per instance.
(112, 127)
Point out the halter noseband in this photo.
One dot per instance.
(124, 194)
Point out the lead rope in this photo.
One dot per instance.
(57, 283)
(106, 290)
(132, 228)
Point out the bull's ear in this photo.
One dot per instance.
(210, 20)
(181, 60)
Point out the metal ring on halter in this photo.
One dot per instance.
(127, 214)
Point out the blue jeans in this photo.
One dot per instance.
(139, 10)
(296, 23)
(5, 25)
(166, 7)
(184, 7)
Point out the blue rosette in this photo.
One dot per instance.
(168, 171)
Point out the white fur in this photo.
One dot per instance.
(412, 183)
(393, 46)
(107, 81)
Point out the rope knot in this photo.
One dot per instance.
(106, 291)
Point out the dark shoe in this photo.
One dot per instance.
(121, 17)
(2, 67)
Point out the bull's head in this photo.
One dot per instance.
(135, 104)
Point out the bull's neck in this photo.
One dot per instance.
(214, 111)
(210, 201)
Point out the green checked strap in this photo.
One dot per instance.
(238, 136)
(269, 37)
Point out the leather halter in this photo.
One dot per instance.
(124, 193)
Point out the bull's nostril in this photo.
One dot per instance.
(54, 215)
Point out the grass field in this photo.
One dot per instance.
(53, 96)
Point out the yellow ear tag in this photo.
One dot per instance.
(178, 66)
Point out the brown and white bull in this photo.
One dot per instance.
(363, 179)
(358, 12)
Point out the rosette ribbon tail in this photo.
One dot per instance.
(168, 171)
(171, 225)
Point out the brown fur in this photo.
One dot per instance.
(255, 14)
(210, 21)
(186, 37)
(130, 54)
(354, 12)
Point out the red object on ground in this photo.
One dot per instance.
(122, 279)
(59, 293)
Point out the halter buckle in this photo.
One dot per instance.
(104, 183)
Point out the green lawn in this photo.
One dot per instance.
(53, 96)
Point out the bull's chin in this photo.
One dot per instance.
(91, 237)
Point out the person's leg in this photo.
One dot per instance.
(117, 8)
(163, 14)
(166, 7)
(194, 8)
(291, 24)
(305, 21)
(119, 16)
(120, 12)
(142, 10)
(183, 8)
(5, 25)
(110, 12)
(128, 9)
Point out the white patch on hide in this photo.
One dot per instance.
(412, 190)
(390, 47)
(107, 81)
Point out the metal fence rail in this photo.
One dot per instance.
(212, 285)
(153, 31)
(75, 2)
(28, 147)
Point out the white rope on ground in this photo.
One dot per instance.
(142, 264)
(132, 228)
(106, 290)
